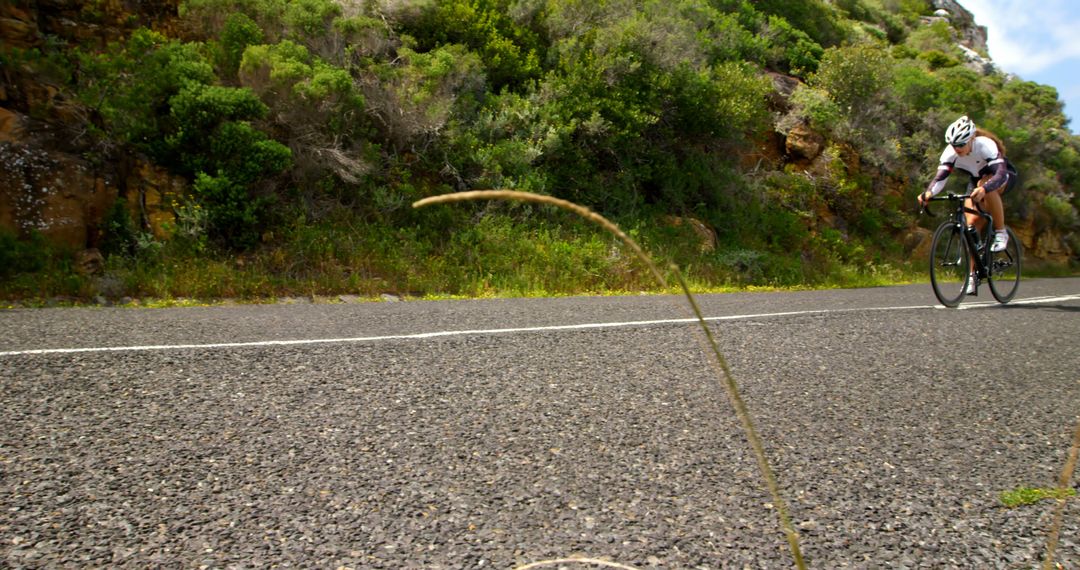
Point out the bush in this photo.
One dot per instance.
(963, 92)
(414, 99)
(309, 18)
(937, 59)
(301, 87)
(936, 36)
(22, 255)
(856, 77)
(792, 50)
(728, 40)
(130, 84)
(817, 107)
(234, 216)
(816, 18)
(207, 134)
(857, 82)
(916, 89)
(1060, 210)
(511, 54)
(239, 32)
(118, 232)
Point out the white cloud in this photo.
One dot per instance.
(1026, 38)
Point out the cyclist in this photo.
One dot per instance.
(981, 154)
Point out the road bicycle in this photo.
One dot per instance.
(959, 252)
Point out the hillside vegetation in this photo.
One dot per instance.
(302, 130)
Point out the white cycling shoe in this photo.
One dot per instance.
(972, 287)
(1001, 239)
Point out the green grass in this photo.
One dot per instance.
(501, 253)
(1022, 496)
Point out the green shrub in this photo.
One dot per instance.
(203, 115)
(213, 136)
(118, 231)
(234, 215)
(729, 40)
(417, 96)
(901, 51)
(916, 88)
(854, 76)
(245, 154)
(792, 49)
(22, 255)
(817, 18)
(209, 17)
(287, 76)
(936, 36)
(130, 84)
(309, 18)
(937, 59)
(239, 32)
(963, 92)
(815, 105)
(857, 81)
(1060, 210)
(511, 54)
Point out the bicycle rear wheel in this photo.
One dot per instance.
(1005, 270)
(949, 265)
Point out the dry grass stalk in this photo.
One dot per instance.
(729, 383)
(1059, 512)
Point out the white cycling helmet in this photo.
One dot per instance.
(960, 132)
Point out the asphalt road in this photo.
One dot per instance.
(496, 433)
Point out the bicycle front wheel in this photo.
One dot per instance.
(949, 265)
(1004, 275)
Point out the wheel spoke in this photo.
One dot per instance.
(949, 266)
(1005, 271)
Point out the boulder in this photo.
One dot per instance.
(971, 34)
(705, 234)
(19, 33)
(767, 153)
(12, 127)
(917, 243)
(18, 27)
(1042, 244)
(89, 262)
(783, 87)
(803, 143)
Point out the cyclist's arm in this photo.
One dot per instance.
(999, 174)
(938, 183)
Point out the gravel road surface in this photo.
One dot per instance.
(893, 425)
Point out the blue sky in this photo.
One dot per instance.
(1038, 41)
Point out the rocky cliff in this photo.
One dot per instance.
(46, 183)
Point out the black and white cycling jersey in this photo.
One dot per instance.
(985, 158)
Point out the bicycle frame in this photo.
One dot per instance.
(980, 252)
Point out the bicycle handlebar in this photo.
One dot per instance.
(925, 209)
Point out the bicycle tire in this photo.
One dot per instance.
(949, 264)
(1004, 277)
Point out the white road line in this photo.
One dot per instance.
(1028, 301)
(479, 332)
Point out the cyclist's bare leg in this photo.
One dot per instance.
(993, 204)
(974, 219)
